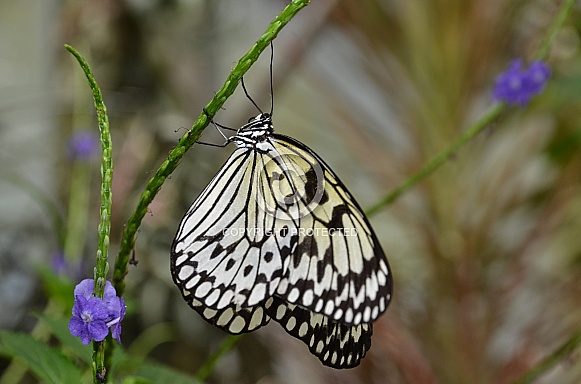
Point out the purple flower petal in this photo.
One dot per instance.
(98, 309)
(110, 292)
(85, 288)
(115, 324)
(78, 305)
(78, 328)
(98, 330)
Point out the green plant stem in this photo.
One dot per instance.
(104, 228)
(545, 47)
(168, 166)
(226, 345)
(550, 361)
(472, 131)
(575, 341)
(440, 159)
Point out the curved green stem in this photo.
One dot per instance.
(168, 166)
(440, 159)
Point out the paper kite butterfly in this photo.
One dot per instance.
(276, 235)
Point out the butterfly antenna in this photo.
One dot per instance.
(271, 87)
(247, 95)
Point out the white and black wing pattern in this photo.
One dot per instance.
(219, 266)
(337, 345)
(233, 319)
(276, 235)
(338, 267)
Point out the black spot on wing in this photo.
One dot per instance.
(268, 257)
(229, 264)
(217, 251)
(336, 221)
(312, 185)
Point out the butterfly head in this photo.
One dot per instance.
(258, 123)
(262, 117)
(255, 133)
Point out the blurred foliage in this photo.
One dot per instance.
(486, 252)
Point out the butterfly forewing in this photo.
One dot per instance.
(224, 253)
(338, 268)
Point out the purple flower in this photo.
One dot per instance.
(83, 145)
(518, 85)
(104, 313)
(89, 319)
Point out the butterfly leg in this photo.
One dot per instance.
(217, 126)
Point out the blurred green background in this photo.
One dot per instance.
(486, 252)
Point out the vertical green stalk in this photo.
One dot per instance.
(104, 228)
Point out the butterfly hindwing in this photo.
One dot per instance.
(233, 319)
(336, 345)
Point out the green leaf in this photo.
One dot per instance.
(139, 370)
(136, 380)
(158, 373)
(48, 364)
(58, 288)
(60, 329)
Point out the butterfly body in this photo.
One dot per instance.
(276, 235)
